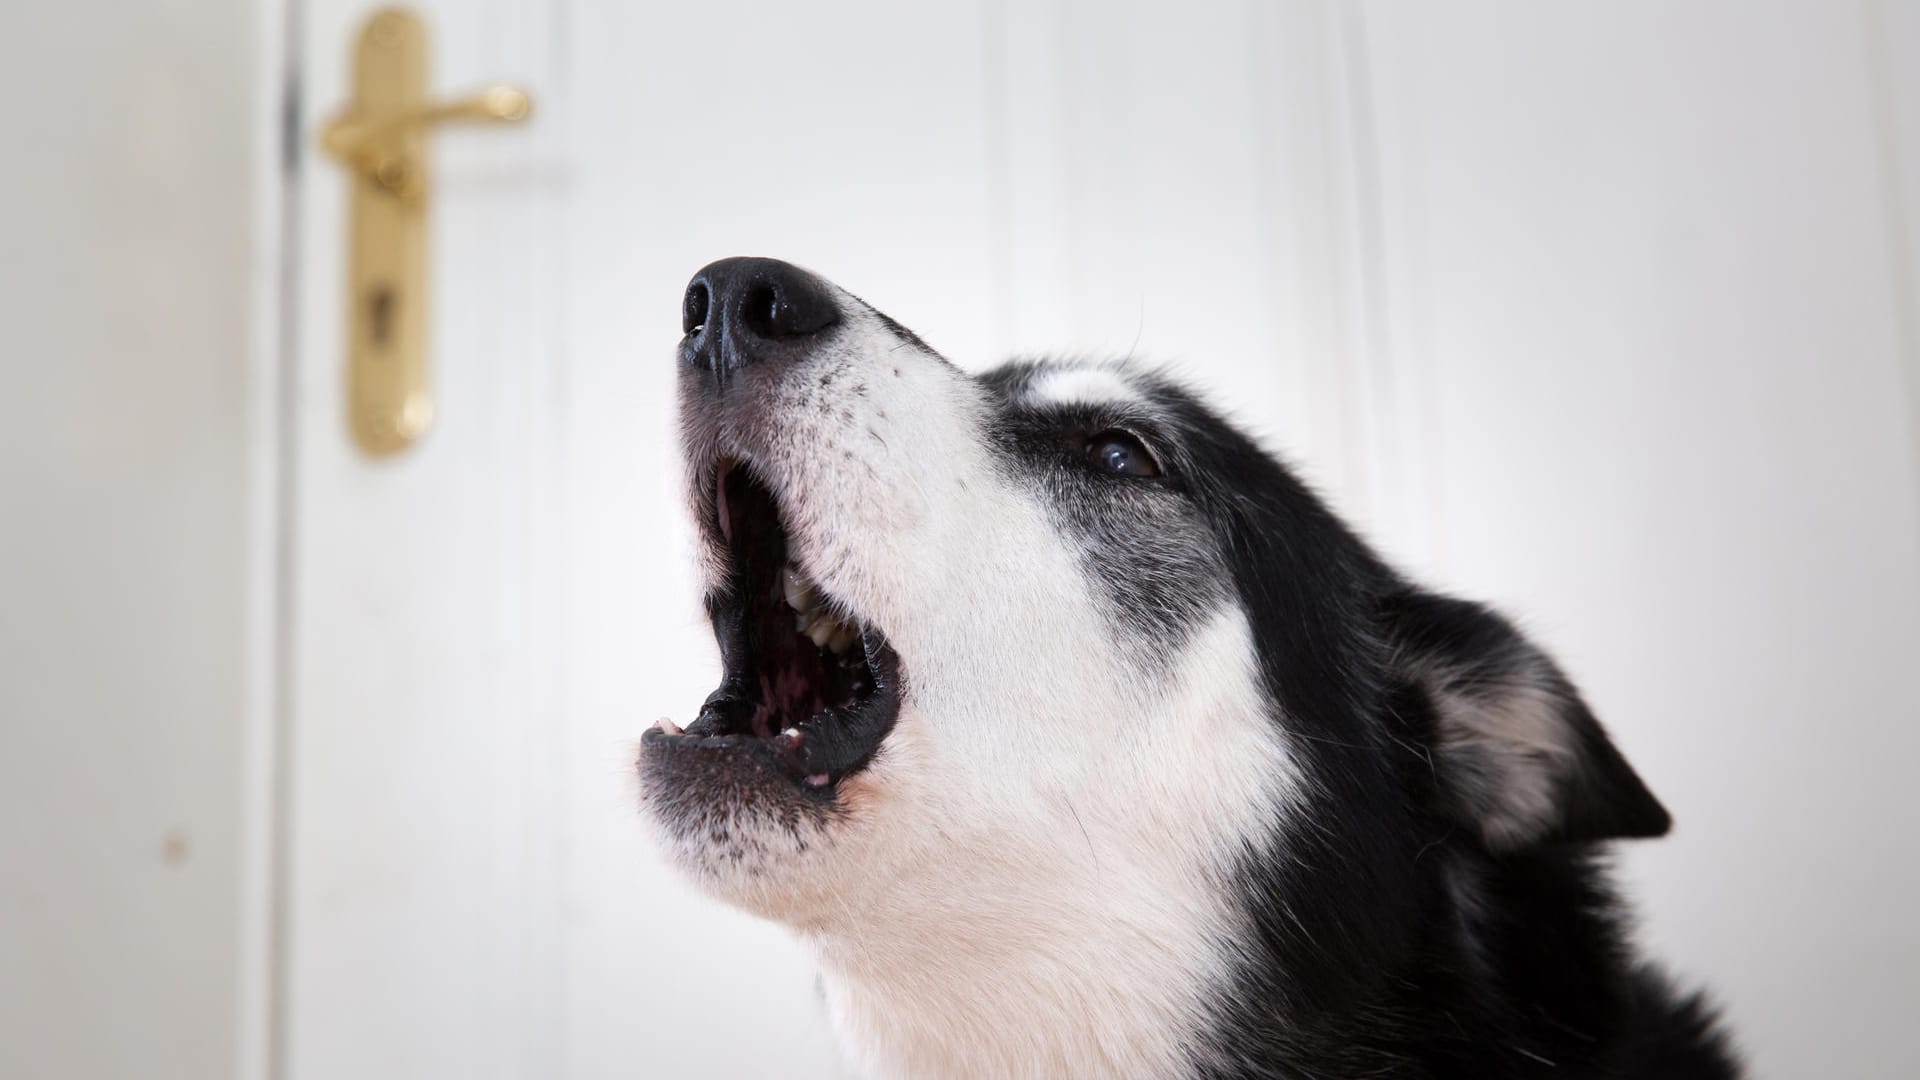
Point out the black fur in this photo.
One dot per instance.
(1396, 932)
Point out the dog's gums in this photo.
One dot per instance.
(796, 694)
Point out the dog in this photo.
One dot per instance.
(1078, 738)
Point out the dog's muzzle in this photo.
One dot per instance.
(810, 689)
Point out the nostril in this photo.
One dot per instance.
(760, 311)
(734, 310)
(693, 310)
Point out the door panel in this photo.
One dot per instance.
(425, 884)
(488, 622)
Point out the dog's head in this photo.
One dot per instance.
(1061, 634)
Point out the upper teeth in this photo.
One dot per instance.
(811, 617)
(799, 589)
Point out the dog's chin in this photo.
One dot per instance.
(758, 849)
(745, 820)
(758, 783)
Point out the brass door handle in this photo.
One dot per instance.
(381, 140)
(376, 146)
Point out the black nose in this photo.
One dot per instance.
(739, 312)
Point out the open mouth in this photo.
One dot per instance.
(809, 690)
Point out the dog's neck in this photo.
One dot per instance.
(1006, 967)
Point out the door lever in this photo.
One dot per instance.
(375, 146)
(381, 140)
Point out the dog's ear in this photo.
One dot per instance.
(1517, 755)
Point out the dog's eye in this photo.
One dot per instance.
(1120, 453)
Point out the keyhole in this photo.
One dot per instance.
(380, 314)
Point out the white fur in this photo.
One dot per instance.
(1030, 877)
(1089, 385)
(1065, 918)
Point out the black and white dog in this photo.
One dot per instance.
(1078, 738)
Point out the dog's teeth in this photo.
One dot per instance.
(822, 627)
(668, 726)
(842, 638)
(798, 589)
(818, 779)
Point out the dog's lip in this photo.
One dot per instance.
(775, 756)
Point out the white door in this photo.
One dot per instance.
(484, 624)
(1302, 205)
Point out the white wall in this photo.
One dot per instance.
(1644, 269)
(134, 515)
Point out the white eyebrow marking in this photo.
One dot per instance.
(1083, 386)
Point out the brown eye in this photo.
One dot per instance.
(1120, 453)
